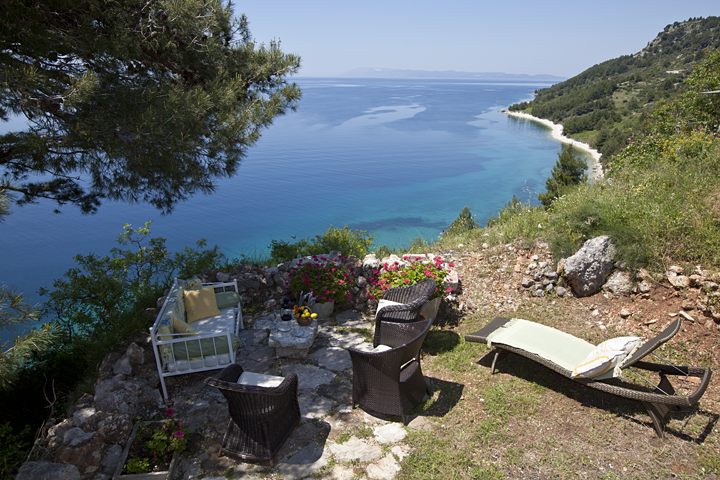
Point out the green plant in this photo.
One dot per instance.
(343, 240)
(413, 272)
(463, 223)
(326, 280)
(154, 445)
(13, 448)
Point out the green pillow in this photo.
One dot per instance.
(227, 299)
(193, 347)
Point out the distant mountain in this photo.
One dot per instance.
(607, 102)
(368, 72)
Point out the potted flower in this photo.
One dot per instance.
(328, 283)
(414, 271)
(151, 450)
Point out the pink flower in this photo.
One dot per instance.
(448, 289)
(451, 264)
(169, 412)
(179, 434)
(428, 273)
(407, 280)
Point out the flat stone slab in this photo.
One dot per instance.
(333, 358)
(292, 340)
(355, 449)
(313, 405)
(310, 377)
(386, 468)
(390, 433)
(344, 339)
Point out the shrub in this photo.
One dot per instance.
(325, 280)
(463, 223)
(343, 240)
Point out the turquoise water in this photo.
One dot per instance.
(399, 158)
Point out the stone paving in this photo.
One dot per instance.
(333, 440)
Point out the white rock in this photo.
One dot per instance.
(386, 468)
(355, 449)
(390, 433)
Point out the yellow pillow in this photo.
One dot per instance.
(180, 326)
(200, 304)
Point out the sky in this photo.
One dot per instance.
(513, 36)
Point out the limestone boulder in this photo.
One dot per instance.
(48, 471)
(619, 283)
(589, 268)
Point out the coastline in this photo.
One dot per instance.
(556, 132)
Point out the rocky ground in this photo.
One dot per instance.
(523, 422)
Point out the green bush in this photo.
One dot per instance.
(96, 307)
(463, 223)
(343, 240)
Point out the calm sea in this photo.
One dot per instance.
(399, 158)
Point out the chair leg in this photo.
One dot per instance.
(496, 357)
(659, 415)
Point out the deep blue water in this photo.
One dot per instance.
(399, 158)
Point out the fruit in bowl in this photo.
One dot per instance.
(304, 315)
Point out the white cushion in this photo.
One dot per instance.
(604, 359)
(259, 380)
(367, 347)
(385, 303)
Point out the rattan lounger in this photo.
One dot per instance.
(558, 350)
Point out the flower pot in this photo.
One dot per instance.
(430, 309)
(324, 310)
(156, 475)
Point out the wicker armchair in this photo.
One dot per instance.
(410, 299)
(261, 418)
(391, 382)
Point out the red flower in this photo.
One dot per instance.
(169, 412)
(179, 434)
(448, 290)
(407, 280)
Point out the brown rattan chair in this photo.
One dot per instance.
(658, 401)
(261, 418)
(410, 300)
(391, 382)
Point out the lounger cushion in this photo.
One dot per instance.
(604, 358)
(550, 343)
(203, 348)
(227, 299)
(200, 304)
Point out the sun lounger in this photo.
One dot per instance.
(561, 352)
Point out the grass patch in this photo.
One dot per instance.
(460, 358)
(435, 457)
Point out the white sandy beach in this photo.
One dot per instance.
(556, 129)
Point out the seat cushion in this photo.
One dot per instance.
(382, 303)
(203, 348)
(180, 326)
(200, 304)
(259, 380)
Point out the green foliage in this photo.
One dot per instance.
(100, 304)
(661, 201)
(463, 223)
(13, 449)
(516, 221)
(611, 100)
(344, 240)
(326, 280)
(569, 171)
(101, 287)
(132, 100)
(137, 465)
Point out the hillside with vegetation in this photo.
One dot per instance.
(605, 104)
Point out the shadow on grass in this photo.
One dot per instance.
(530, 371)
(440, 341)
(449, 395)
